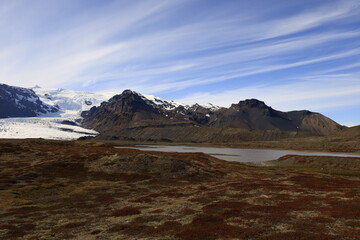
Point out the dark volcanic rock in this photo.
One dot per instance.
(253, 114)
(131, 110)
(130, 115)
(128, 109)
(21, 102)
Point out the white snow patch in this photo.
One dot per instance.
(38, 127)
(71, 103)
(210, 106)
(167, 105)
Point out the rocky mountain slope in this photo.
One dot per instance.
(55, 114)
(350, 133)
(134, 110)
(132, 116)
(22, 102)
(253, 114)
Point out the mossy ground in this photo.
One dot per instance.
(47, 191)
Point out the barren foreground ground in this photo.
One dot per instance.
(79, 190)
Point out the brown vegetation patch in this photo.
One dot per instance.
(24, 210)
(227, 209)
(208, 227)
(146, 164)
(143, 199)
(17, 231)
(299, 235)
(322, 183)
(95, 232)
(343, 209)
(119, 227)
(168, 228)
(126, 211)
(69, 227)
(132, 229)
(50, 184)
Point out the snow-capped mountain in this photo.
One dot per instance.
(132, 110)
(45, 113)
(169, 105)
(22, 102)
(158, 102)
(131, 115)
(63, 114)
(56, 113)
(71, 103)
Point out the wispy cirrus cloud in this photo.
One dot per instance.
(196, 48)
(295, 95)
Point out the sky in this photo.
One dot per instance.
(291, 54)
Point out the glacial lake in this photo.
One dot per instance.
(237, 154)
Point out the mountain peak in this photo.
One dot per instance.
(150, 100)
(129, 92)
(132, 110)
(36, 86)
(253, 103)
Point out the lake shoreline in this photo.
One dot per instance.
(305, 144)
(242, 155)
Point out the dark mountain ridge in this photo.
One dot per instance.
(131, 116)
(253, 114)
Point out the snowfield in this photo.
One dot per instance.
(71, 103)
(41, 127)
(59, 125)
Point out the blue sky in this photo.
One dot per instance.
(291, 54)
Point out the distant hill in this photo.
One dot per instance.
(253, 114)
(134, 116)
(349, 133)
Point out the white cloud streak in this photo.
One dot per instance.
(157, 47)
(297, 95)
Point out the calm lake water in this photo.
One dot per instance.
(236, 154)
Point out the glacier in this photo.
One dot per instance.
(64, 123)
(61, 125)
